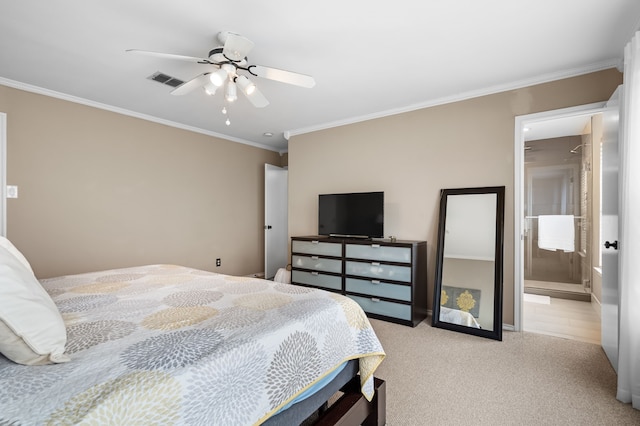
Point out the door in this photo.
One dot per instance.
(276, 248)
(609, 227)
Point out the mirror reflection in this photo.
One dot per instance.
(469, 264)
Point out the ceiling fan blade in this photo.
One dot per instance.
(236, 47)
(257, 99)
(282, 76)
(191, 85)
(169, 56)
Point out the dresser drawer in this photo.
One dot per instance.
(316, 263)
(378, 271)
(378, 252)
(317, 247)
(382, 307)
(316, 279)
(377, 288)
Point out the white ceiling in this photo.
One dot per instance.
(369, 58)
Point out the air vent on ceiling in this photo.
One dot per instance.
(165, 79)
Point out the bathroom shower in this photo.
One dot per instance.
(557, 217)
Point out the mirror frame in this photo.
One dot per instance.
(496, 332)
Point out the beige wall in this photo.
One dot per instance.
(100, 190)
(411, 156)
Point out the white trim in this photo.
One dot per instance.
(545, 78)
(51, 93)
(3, 174)
(508, 327)
(518, 194)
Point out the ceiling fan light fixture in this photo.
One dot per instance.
(246, 85)
(210, 88)
(218, 78)
(223, 64)
(231, 93)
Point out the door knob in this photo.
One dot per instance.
(267, 227)
(614, 244)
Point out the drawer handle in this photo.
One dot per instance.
(315, 257)
(375, 281)
(375, 299)
(375, 245)
(315, 242)
(314, 273)
(375, 263)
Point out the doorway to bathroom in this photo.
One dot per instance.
(557, 221)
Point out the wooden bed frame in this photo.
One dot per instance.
(352, 408)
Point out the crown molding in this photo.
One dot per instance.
(544, 78)
(75, 99)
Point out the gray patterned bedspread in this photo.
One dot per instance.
(165, 344)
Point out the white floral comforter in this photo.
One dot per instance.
(165, 344)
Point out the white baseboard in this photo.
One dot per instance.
(256, 275)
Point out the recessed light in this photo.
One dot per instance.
(267, 134)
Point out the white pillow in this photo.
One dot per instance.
(14, 251)
(31, 328)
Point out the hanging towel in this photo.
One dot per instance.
(556, 232)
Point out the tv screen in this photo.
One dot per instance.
(358, 214)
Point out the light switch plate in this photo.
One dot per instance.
(12, 191)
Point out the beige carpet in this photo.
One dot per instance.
(440, 377)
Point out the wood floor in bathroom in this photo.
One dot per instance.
(569, 319)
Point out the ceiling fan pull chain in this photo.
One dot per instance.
(225, 112)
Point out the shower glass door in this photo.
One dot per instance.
(552, 190)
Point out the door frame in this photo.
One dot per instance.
(3, 174)
(521, 122)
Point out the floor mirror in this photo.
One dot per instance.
(468, 282)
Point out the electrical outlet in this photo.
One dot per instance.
(12, 191)
(218, 262)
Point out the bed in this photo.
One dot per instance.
(166, 344)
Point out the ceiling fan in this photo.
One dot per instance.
(228, 61)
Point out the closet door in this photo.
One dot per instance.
(276, 240)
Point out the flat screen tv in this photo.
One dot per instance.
(355, 215)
